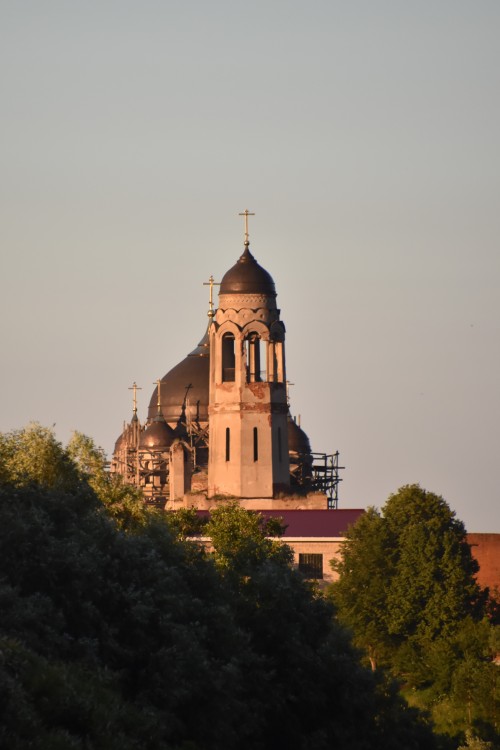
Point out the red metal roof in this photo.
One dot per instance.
(312, 523)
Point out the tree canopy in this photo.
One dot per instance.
(116, 632)
(407, 590)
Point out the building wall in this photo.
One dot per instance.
(327, 547)
(486, 550)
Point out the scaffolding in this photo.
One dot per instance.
(325, 476)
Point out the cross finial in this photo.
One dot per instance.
(158, 399)
(246, 213)
(211, 283)
(134, 387)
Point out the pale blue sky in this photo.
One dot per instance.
(365, 136)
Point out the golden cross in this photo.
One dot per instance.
(158, 401)
(211, 283)
(135, 388)
(246, 213)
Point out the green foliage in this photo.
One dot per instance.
(308, 677)
(130, 609)
(361, 591)
(34, 455)
(408, 593)
(432, 584)
(89, 459)
(475, 743)
(185, 523)
(123, 502)
(53, 704)
(240, 540)
(115, 633)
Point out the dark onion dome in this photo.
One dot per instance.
(194, 371)
(157, 435)
(298, 442)
(120, 443)
(247, 277)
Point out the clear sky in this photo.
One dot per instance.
(366, 137)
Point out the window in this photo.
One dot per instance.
(255, 444)
(228, 358)
(311, 565)
(228, 443)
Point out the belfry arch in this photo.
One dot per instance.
(228, 357)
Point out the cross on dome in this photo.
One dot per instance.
(134, 387)
(211, 283)
(246, 213)
(158, 399)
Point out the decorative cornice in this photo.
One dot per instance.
(239, 301)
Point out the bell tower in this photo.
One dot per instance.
(248, 440)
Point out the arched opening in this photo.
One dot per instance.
(228, 444)
(255, 444)
(253, 358)
(228, 358)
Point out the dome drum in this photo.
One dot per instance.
(254, 302)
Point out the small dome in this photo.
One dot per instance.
(247, 277)
(298, 442)
(157, 435)
(119, 443)
(193, 371)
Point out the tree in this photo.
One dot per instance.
(312, 691)
(242, 540)
(33, 454)
(117, 633)
(123, 501)
(433, 585)
(475, 743)
(110, 637)
(89, 459)
(361, 591)
(407, 591)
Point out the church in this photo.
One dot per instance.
(219, 425)
(219, 428)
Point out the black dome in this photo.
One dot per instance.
(157, 435)
(247, 277)
(119, 443)
(194, 371)
(298, 442)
